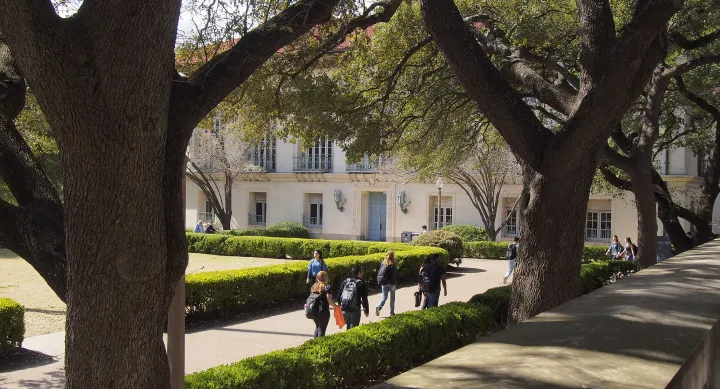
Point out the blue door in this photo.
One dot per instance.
(377, 216)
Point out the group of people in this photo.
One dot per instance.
(352, 298)
(617, 251)
(202, 227)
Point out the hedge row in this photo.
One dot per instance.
(358, 357)
(268, 247)
(221, 292)
(12, 324)
(496, 250)
(592, 276)
(382, 349)
(278, 230)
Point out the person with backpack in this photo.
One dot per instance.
(631, 251)
(424, 282)
(316, 265)
(432, 276)
(615, 250)
(387, 278)
(511, 255)
(319, 303)
(353, 298)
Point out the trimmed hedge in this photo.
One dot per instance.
(287, 229)
(592, 276)
(268, 247)
(220, 292)
(496, 250)
(468, 232)
(447, 240)
(357, 357)
(12, 324)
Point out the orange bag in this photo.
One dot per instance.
(339, 318)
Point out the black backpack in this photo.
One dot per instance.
(348, 296)
(313, 306)
(384, 274)
(425, 278)
(511, 251)
(635, 249)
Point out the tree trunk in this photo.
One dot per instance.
(646, 211)
(673, 229)
(226, 215)
(552, 228)
(492, 236)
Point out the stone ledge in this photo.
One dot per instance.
(656, 329)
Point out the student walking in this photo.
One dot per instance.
(320, 303)
(316, 265)
(353, 298)
(424, 229)
(424, 281)
(616, 249)
(432, 276)
(511, 255)
(631, 251)
(387, 278)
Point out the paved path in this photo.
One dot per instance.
(231, 343)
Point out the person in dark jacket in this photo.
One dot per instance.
(210, 229)
(353, 297)
(387, 278)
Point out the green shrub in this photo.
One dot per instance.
(447, 240)
(12, 324)
(288, 230)
(295, 248)
(355, 358)
(221, 292)
(488, 249)
(468, 232)
(592, 276)
(496, 250)
(498, 300)
(594, 253)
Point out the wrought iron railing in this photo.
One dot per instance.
(312, 221)
(312, 164)
(256, 220)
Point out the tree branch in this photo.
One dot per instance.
(494, 96)
(687, 44)
(597, 33)
(194, 98)
(690, 65)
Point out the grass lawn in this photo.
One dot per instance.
(45, 312)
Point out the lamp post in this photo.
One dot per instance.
(439, 183)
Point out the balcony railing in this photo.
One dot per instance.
(312, 164)
(256, 220)
(267, 164)
(367, 165)
(312, 221)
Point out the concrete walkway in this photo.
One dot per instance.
(231, 343)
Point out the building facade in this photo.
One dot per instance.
(314, 185)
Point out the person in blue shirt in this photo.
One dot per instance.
(316, 265)
(616, 248)
(199, 227)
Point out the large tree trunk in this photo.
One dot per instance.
(552, 228)
(117, 243)
(646, 212)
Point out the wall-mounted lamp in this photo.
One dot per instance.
(402, 203)
(339, 200)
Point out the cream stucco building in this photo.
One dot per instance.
(315, 185)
